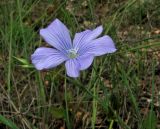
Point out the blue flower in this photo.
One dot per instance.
(78, 55)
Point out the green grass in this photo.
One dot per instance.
(119, 90)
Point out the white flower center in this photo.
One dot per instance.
(72, 53)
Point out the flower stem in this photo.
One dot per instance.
(94, 105)
(66, 104)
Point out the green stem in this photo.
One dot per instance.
(94, 108)
(111, 124)
(21, 25)
(10, 55)
(67, 114)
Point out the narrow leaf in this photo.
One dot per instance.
(57, 112)
(8, 122)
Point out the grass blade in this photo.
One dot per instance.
(7, 122)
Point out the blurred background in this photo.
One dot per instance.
(119, 91)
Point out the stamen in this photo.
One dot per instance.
(72, 53)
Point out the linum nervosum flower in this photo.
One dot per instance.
(78, 55)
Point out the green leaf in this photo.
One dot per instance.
(7, 122)
(69, 96)
(57, 112)
(150, 121)
(27, 66)
(23, 61)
